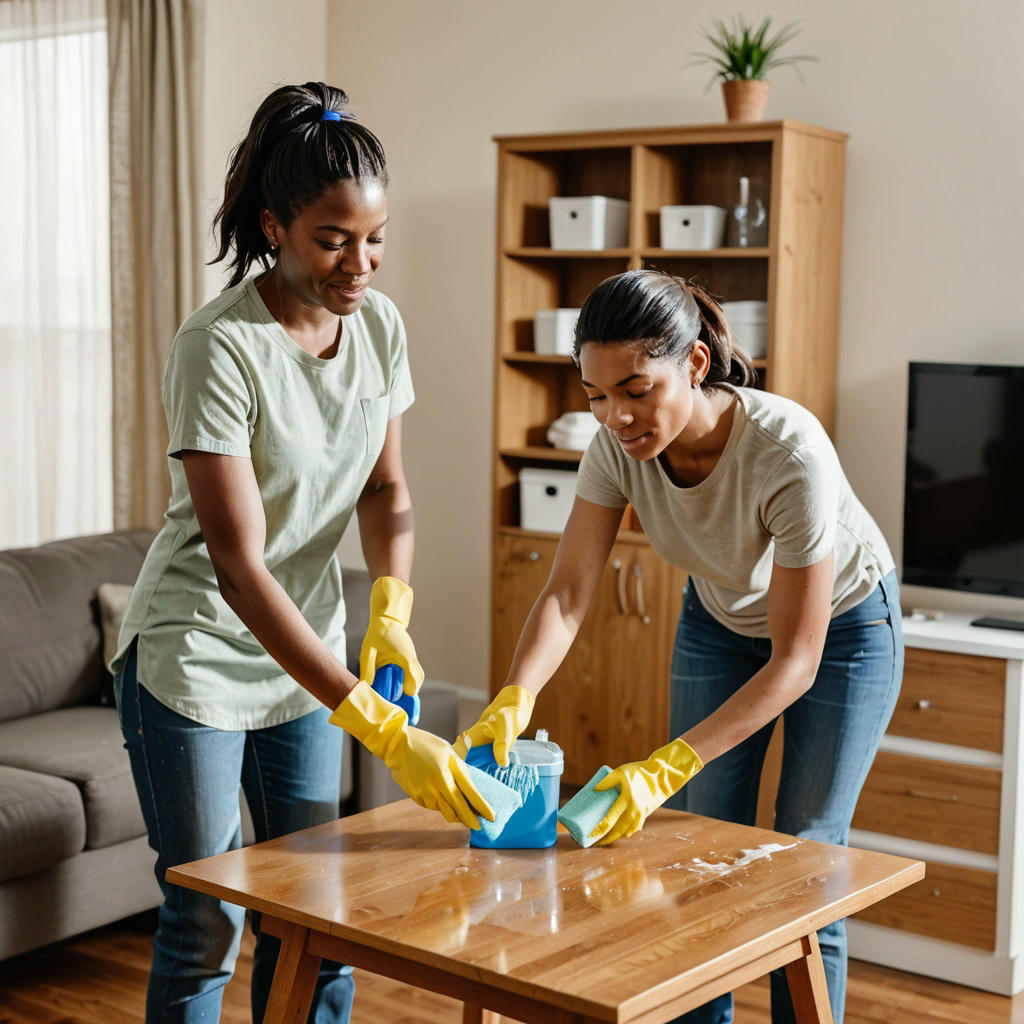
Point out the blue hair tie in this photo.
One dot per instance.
(330, 115)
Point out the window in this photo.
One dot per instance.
(55, 362)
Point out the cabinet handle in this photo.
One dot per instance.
(638, 575)
(533, 556)
(620, 586)
(923, 705)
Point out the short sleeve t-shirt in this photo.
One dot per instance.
(237, 384)
(776, 495)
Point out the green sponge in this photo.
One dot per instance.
(504, 800)
(585, 811)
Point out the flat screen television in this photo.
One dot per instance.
(963, 511)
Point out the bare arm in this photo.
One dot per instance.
(385, 512)
(559, 611)
(799, 609)
(230, 514)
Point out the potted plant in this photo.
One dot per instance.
(742, 56)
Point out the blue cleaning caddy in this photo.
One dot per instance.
(533, 826)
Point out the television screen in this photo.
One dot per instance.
(963, 512)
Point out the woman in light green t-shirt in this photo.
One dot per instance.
(283, 399)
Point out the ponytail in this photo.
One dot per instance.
(665, 315)
(729, 363)
(301, 141)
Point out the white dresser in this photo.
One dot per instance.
(947, 787)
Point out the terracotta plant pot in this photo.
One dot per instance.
(745, 99)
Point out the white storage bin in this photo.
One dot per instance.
(748, 320)
(588, 222)
(552, 331)
(545, 498)
(692, 227)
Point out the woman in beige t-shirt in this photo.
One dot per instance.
(792, 605)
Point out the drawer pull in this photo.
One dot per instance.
(953, 798)
(923, 705)
(534, 556)
(936, 892)
(638, 573)
(620, 585)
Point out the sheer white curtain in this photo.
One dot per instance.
(55, 349)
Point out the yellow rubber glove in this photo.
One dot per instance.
(645, 786)
(387, 640)
(501, 723)
(424, 765)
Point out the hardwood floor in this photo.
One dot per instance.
(100, 978)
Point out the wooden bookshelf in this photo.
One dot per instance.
(609, 701)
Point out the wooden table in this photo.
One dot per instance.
(638, 932)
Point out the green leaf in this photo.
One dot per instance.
(739, 50)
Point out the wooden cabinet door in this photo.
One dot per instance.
(608, 702)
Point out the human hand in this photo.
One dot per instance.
(424, 765)
(427, 768)
(387, 639)
(644, 786)
(501, 723)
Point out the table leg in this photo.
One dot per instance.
(806, 978)
(294, 977)
(473, 1014)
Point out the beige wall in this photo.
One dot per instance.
(929, 93)
(251, 46)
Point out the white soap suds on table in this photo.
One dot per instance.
(746, 858)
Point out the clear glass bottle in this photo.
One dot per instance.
(748, 219)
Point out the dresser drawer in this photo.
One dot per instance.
(931, 801)
(951, 903)
(951, 698)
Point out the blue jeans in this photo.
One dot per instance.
(831, 735)
(188, 777)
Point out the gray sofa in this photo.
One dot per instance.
(73, 850)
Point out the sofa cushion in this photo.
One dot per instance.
(41, 821)
(113, 600)
(83, 745)
(49, 620)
